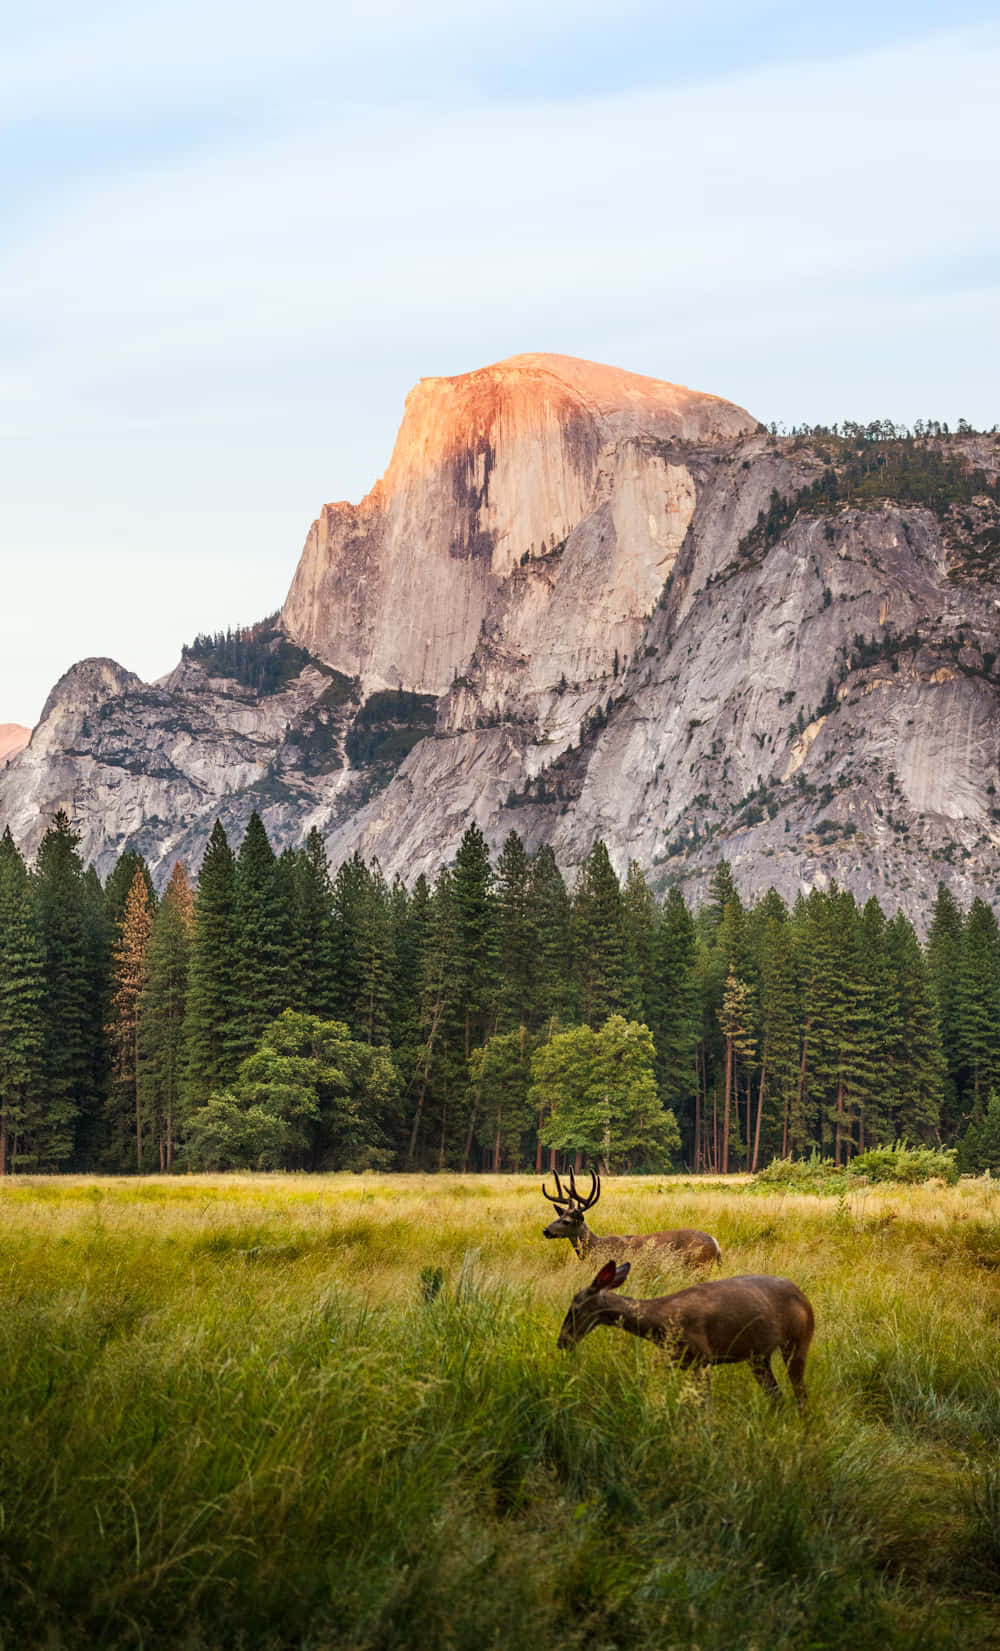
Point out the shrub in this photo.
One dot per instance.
(812, 1174)
(900, 1162)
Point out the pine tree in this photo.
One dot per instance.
(550, 911)
(211, 1048)
(779, 1024)
(721, 890)
(516, 937)
(736, 1021)
(640, 983)
(315, 939)
(22, 991)
(917, 1060)
(263, 937)
(349, 895)
(675, 1021)
(161, 1015)
(375, 959)
(844, 1055)
(944, 949)
(435, 1067)
(411, 917)
(100, 936)
(977, 1007)
(68, 1053)
(475, 919)
(119, 885)
(598, 938)
(129, 975)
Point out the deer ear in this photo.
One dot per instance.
(607, 1276)
(622, 1273)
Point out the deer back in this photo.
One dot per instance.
(696, 1248)
(732, 1319)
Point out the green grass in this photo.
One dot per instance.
(244, 1412)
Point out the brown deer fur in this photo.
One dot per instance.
(729, 1321)
(698, 1249)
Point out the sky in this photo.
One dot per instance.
(233, 236)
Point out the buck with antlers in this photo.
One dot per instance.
(730, 1321)
(696, 1248)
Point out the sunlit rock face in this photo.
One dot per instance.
(13, 738)
(555, 614)
(492, 471)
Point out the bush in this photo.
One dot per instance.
(812, 1174)
(905, 1163)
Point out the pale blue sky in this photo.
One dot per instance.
(233, 236)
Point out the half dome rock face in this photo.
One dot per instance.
(493, 471)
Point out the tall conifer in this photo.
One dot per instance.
(213, 1002)
(599, 938)
(128, 978)
(68, 1055)
(161, 1015)
(263, 935)
(22, 991)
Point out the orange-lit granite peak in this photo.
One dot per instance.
(13, 739)
(492, 469)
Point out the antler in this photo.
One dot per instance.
(558, 1197)
(593, 1195)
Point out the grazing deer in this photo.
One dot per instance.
(730, 1321)
(698, 1249)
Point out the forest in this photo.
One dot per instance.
(285, 1015)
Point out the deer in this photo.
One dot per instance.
(727, 1321)
(696, 1248)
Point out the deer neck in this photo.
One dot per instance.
(625, 1313)
(584, 1241)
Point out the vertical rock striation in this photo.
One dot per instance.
(492, 470)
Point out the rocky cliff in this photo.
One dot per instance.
(579, 603)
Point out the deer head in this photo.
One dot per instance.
(589, 1308)
(572, 1206)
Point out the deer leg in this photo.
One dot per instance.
(795, 1364)
(760, 1364)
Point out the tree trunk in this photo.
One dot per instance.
(3, 1144)
(697, 1117)
(438, 1010)
(803, 1068)
(839, 1136)
(138, 1111)
(726, 1106)
(760, 1114)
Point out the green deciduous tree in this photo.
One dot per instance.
(599, 1089)
(309, 1097)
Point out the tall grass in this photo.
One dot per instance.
(287, 1412)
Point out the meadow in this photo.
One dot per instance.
(282, 1411)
